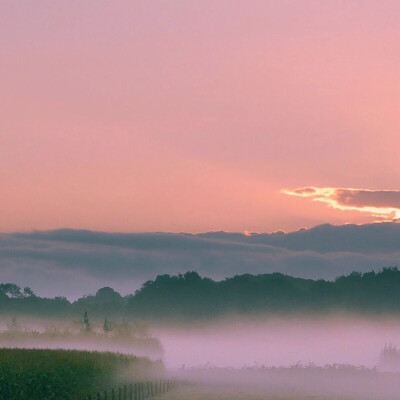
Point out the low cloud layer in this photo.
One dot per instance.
(73, 263)
(384, 204)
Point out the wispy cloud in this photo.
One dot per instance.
(384, 204)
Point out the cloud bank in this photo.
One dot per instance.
(75, 262)
(384, 204)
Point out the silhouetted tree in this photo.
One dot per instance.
(191, 296)
(107, 326)
(11, 290)
(28, 292)
(14, 326)
(86, 322)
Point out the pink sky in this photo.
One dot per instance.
(194, 115)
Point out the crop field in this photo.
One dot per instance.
(65, 374)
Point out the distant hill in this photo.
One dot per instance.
(190, 296)
(71, 262)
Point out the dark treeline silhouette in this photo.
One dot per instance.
(189, 296)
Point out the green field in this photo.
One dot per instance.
(66, 374)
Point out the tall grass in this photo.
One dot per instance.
(63, 374)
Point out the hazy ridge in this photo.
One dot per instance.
(72, 263)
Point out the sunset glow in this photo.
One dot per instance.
(192, 116)
(199, 199)
(387, 201)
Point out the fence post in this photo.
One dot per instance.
(112, 394)
(98, 396)
(130, 392)
(125, 392)
(119, 393)
(105, 395)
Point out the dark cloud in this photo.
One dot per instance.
(368, 198)
(73, 263)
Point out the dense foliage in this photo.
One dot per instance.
(188, 296)
(191, 296)
(61, 374)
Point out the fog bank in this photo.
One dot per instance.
(72, 263)
(279, 341)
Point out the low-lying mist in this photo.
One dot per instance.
(333, 355)
(234, 342)
(330, 357)
(126, 337)
(279, 341)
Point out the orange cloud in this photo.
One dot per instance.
(384, 204)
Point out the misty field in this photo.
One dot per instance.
(203, 392)
(298, 382)
(231, 392)
(64, 374)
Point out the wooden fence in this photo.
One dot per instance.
(136, 391)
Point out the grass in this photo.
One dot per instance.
(64, 374)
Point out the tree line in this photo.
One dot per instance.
(191, 296)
